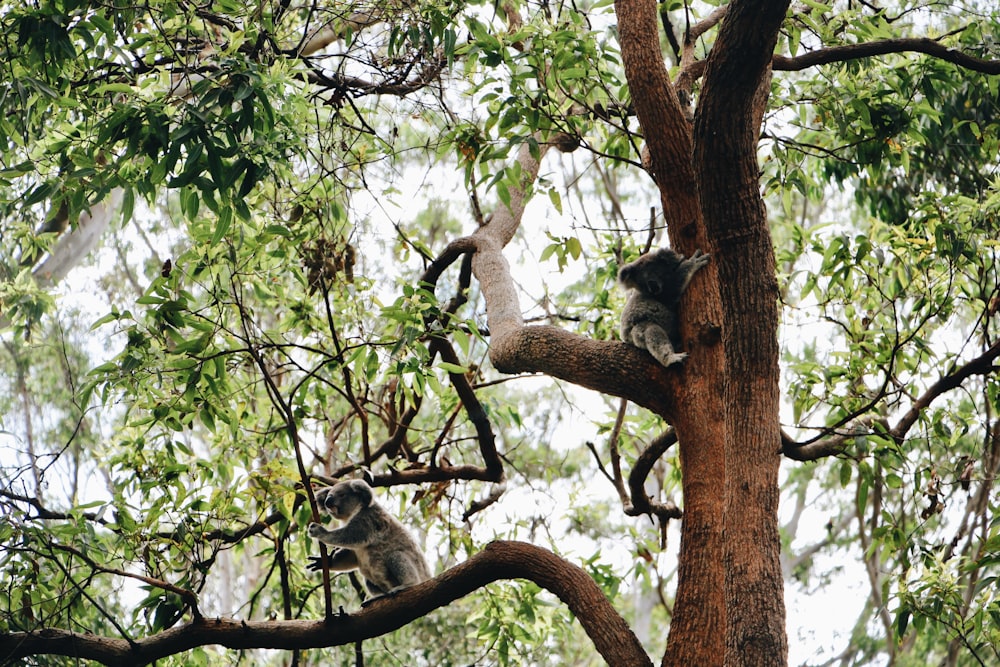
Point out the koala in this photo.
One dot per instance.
(657, 280)
(372, 541)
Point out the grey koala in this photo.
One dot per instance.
(372, 541)
(657, 280)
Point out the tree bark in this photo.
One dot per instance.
(729, 608)
(77, 242)
(725, 160)
(697, 628)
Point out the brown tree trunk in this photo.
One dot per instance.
(725, 161)
(697, 629)
(726, 401)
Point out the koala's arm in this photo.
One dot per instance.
(358, 532)
(341, 560)
(688, 268)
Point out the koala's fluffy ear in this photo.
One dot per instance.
(362, 491)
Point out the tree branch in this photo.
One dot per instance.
(641, 502)
(609, 367)
(612, 637)
(981, 365)
(189, 597)
(605, 366)
(847, 52)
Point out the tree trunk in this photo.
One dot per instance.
(726, 399)
(697, 629)
(725, 161)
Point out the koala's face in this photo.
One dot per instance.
(339, 501)
(649, 273)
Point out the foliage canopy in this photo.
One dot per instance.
(287, 201)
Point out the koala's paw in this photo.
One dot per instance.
(673, 358)
(315, 530)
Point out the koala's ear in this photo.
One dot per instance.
(362, 491)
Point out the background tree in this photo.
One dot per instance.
(276, 320)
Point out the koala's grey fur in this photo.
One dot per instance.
(372, 541)
(657, 280)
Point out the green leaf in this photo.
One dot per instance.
(452, 368)
(222, 225)
(128, 205)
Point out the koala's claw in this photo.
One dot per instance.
(675, 358)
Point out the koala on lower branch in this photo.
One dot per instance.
(650, 320)
(372, 541)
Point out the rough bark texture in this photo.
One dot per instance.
(697, 629)
(725, 160)
(500, 560)
(729, 607)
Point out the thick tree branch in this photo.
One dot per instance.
(605, 366)
(656, 102)
(609, 367)
(612, 637)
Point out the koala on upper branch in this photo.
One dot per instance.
(372, 541)
(657, 280)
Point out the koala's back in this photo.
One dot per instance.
(391, 557)
(642, 309)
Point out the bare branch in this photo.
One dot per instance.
(641, 502)
(847, 52)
